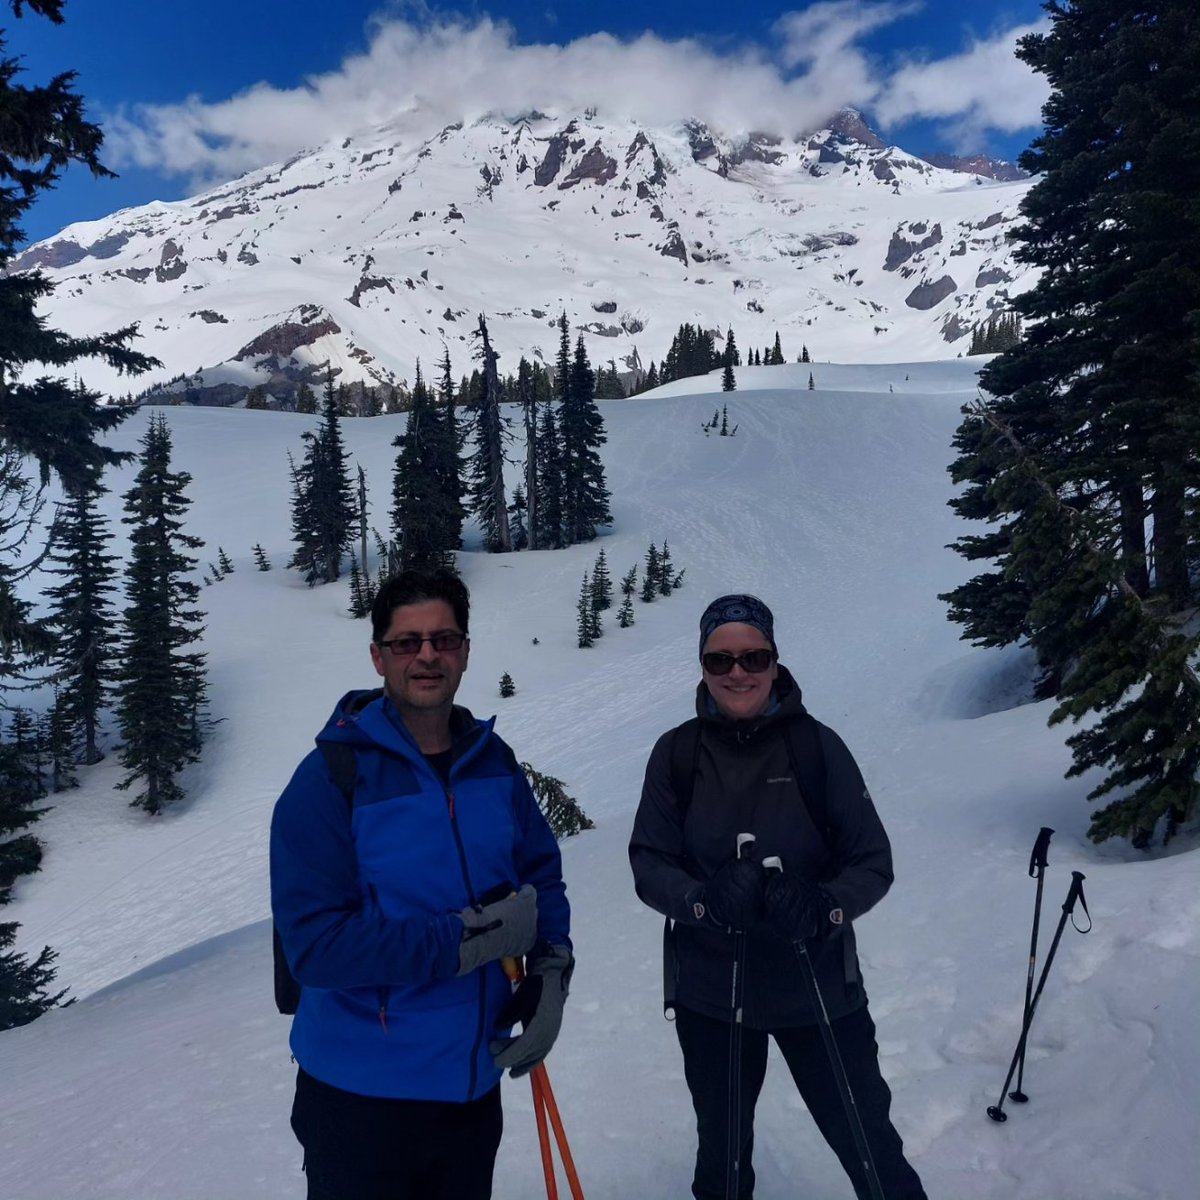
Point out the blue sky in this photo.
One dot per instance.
(192, 92)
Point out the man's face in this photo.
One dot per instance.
(741, 694)
(427, 679)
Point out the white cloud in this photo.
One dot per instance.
(985, 87)
(426, 72)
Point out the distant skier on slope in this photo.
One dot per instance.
(740, 938)
(395, 896)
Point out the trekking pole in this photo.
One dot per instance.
(733, 1129)
(1075, 893)
(1037, 867)
(837, 1066)
(545, 1107)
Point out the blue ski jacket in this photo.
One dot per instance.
(366, 897)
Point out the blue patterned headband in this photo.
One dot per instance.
(745, 610)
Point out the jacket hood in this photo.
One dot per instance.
(365, 717)
(786, 701)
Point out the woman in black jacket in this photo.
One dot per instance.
(755, 762)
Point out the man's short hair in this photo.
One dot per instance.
(414, 586)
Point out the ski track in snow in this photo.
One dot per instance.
(171, 1077)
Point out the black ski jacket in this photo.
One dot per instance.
(744, 782)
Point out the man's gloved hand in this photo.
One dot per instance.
(538, 1005)
(797, 909)
(734, 895)
(505, 927)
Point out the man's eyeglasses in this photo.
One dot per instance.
(410, 644)
(717, 662)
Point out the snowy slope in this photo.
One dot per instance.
(171, 1076)
(371, 252)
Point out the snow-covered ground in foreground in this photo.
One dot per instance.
(170, 1077)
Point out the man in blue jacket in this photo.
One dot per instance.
(395, 911)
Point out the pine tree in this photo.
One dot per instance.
(24, 986)
(601, 583)
(550, 482)
(59, 736)
(507, 687)
(585, 615)
(629, 582)
(625, 612)
(162, 684)
(323, 515)
(804, 354)
(562, 811)
(811, 385)
(256, 398)
(728, 380)
(651, 575)
(82, 615)
(527, 399)
(517, 524)
(306, 399)
(666, 571)
(20, 790)
(447, 458)
(1081, 461)
(585, 491)
(224, 562)
(724, 420)
(359, 605)
(260, 558)
(424, 521)
(488, 500)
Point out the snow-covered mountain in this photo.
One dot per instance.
(377, 250)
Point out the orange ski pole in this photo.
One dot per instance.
(539, 1113)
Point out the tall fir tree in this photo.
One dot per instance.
(585, 615)
(488, 499)
(527, 399)
(44, 419)
(550, 481)
(1083, 461)
(82, 615)
(601, 583)
(651, 574)
(162, 685)
(323, 509)
(585, 489)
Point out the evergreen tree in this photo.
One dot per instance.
(651, 574)
(24, 985)
(162, 685)
(585, 491)
(359, 604)
(601, 583)
(20, 790)
(256, 398)
(527, 399)
(82, 615)
(323, 511)
(424, 521)
(517, 510)
(724, 420)
(224, 562)
(550, 482)
(804, 354)
(625, 613)
(728, 380)
(666, 571)
(447, 455)
(487, 494)
(652, 380)
(306, 399)
(585, 625)
(629, 582)
(507, 687)
(562, 811)
(260, 558)
(811, 385)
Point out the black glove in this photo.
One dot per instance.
(797, 909)
(733, 897)
(503, 928)
(538, 1005)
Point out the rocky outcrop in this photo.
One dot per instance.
(673, 247)
(209, 317)
(595, 166)
(978, 164)
(992, 275)
(366, 284)
(284, 339)
(929, 295)
(900, 249)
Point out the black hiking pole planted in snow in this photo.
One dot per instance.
(996, 1111)
(733, 1152)
(1037, 869)
(809, 975)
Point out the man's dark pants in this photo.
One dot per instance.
(366, 1148)
(705, 1044)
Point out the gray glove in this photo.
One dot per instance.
(538, 1005)
(505, 928)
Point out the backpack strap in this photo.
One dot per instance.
(342, 764)
(685, 756)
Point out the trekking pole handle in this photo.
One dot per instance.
(1075, 893)
(744, 840)
(1037, 860)
(774, 863)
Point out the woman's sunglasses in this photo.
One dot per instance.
(717, 662)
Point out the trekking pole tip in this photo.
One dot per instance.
(997, 1113)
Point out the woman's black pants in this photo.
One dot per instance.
(705, 1044)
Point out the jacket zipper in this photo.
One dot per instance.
(473, 1077)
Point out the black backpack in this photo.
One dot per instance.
(342, 764)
